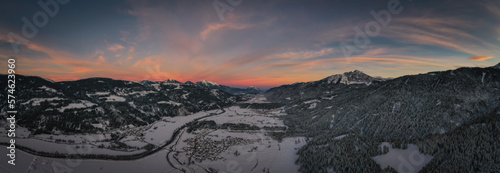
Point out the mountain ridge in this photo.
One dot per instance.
(49, 106)
(453, 95)
(451, 115)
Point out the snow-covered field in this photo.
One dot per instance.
(272, 159)
(258, 99)
(28, 163)
(51, 147)
(272, 156)
(247, 116)
(265, 155)
(161, 131)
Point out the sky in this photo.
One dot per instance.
(241, 43)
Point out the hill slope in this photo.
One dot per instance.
(97, 104)
(451, 115)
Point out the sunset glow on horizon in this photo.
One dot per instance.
(256, 43)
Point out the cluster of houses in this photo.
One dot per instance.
(201, 147)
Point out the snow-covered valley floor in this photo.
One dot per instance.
(227, 150)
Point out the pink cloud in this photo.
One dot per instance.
(216, 27)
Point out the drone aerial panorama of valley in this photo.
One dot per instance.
(242, 86)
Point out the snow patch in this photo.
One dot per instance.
(37, 101)
(312, 106)
(170, 103)
(114, 98)
(156, 86)
(98, 94)
(209, 83)
(48, 89)
(82, 104)
(311, 101)
(214, 92)
(327, 98)
(403, 160)
(142, 93)
(340, 137)
(98, 125)
(482, 79)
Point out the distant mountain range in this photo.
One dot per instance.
(231, 90)
(213, 85)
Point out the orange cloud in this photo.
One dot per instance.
(101, 60)
(480, 58)
(131, 52)
(116, 47)
(149, 61)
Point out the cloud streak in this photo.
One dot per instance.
(216, 27)
(480, 58)
(116, 47)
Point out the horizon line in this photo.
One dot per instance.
(239, 86)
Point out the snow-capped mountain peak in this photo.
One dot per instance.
(146, 82)
(208, 83)
(352, 77)
(253, 87)
(171, 81)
